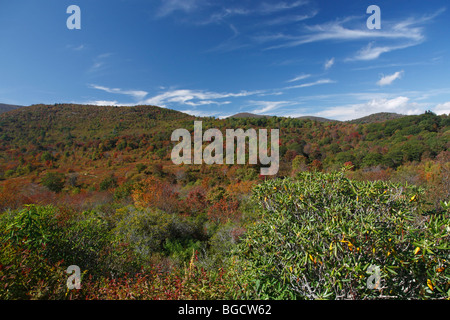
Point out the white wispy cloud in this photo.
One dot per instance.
(114, 103)
(286, 19)
(406, 33)
(202, 113)
(328, 64)
(76, 47)
(400, 104)
(410, 30)
(272, 7)
(268, 15)
(371, 52)
(263, 9)
(337, 31)
(137, 94)
(268, 106)
(170, 6)
(99, 62)
(194, 97)
(389, 79)
(310, 84)
(230, 44)
(223, 14)
(300, 77)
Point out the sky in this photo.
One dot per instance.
(215, 58)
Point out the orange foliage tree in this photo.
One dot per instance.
(224, 210)
(10, 195)
(239, 189)
(153, 192)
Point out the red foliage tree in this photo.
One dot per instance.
(195, 201)
(224, 210)
(156, 193)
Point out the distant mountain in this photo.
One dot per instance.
(60, 121)
(248, 115)
(377, 117)
(252, 115)
(104, 139)
(8, 107)
(319, 119)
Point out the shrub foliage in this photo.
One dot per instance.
(323, 237)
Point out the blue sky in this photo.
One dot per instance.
(218, 58)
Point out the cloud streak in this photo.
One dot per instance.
(99, 62)
(328, 64)
(371, 53)
(137, 94)
(268, 106)
(389, 79)
(170, 6)
(300, 77)
(311, 84)
(194, 97)
(336, 31)
(289, 19)
(269, 8)
(400, 104)
(410, 31)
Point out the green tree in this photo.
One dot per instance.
(372, 159)
(47, 156)
(108, 183)
(54, 181)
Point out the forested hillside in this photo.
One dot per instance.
(90, 132)
(95, 187)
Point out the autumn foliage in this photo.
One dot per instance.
(153, 192)
(95, 187)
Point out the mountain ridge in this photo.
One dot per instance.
(377, 117)
(8, 107)
(372, 118)
(89, 138)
